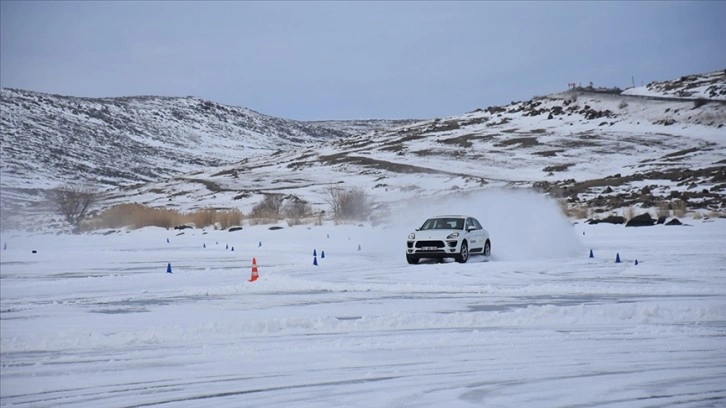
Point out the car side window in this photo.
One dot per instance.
(476, 224)
(469, 224)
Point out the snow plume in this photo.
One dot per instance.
(522, 224)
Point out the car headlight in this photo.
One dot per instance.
(453, 236)
(412, 236)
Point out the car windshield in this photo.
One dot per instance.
(443, 223)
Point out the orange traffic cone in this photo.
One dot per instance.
(255, 274)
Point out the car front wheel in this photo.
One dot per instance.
(463, 254)
(412, 259)
(488, 249)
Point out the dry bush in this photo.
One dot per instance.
(296, 208)
(663, 210)
(156, 217)
(269, 207)
(352, 204)
(229, 218)
(138, 216)
(679, 208)
(580, 213)
(629, 213)
(73, 202)
(262, 221)
(204, 217)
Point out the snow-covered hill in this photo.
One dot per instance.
(598, 151)
(50, 140)
(117, 141)
(706, 86)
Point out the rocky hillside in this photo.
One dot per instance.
(50, 140)
(598, 152)
(117, 141)
(709, 86)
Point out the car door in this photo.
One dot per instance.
(471, 234)
(477, 234)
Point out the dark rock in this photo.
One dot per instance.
(275, 228)
(608, 190)
(661, 220)
(674, 221)
(182, 227)
(642, 220)
(233, 229)
(611, 219)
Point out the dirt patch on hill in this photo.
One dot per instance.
(464, 140)
(549, 153)
(522, 141)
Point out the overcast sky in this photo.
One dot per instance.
(353, 60)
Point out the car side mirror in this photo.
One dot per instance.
(470, 229)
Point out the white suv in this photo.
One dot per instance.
(448, 236)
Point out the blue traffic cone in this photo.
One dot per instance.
(359, 247)
(315, 253)
(167, 240)
(232, 249)
(226, 246)
(322, 254)
(328, 235)
(168, 267)
(617, 257)
(315, 260)
(636, 262)
(204, 245)
(259, 245)
(591, 254)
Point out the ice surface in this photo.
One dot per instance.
(95, 320)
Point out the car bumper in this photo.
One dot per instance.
(433, 249)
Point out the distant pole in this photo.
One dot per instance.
(632, 78)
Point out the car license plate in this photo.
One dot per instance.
(429, 248)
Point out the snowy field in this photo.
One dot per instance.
(95, 321)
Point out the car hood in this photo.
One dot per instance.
(438, 234)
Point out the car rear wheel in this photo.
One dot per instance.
(488, 249)
(463, 254)
(412, 259)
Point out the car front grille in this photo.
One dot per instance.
(436, 244)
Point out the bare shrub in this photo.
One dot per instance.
(138, 216)
(269, 207)
(579, 213)
(622, 104)
(262, 221)
(73, 202)
(229, 218)
(663, 209)
(156, 217)
(629, 212)
(204, 217)
(296, 208)
(352, 204)
(679, 208)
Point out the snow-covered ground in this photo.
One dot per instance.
(95, 321)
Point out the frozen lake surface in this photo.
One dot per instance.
(95, 321)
